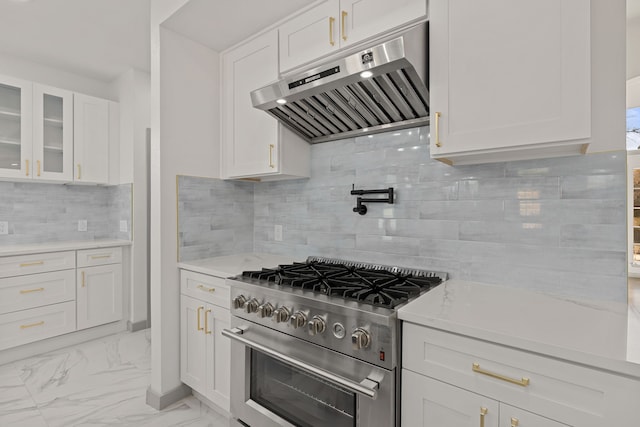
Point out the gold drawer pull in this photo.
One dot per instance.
(83, 279)
(79, 171)
(38, 162)
(515, 422)
(31, 325)
(271, 147)
(27, 166)
(30, 264)
(344, 29)
(100, 256)
(204, 288)
(331, 42)
(198, 314)
(206, 322)
(28, 291)
(483, 413)
(522, 382)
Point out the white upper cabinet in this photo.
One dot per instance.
(52, 134)
(15, 128)
(91, 139)
(253, 143)
(340, 23)
(509, 80)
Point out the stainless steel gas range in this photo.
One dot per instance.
(318, 343)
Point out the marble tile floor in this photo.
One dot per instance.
(98, 383)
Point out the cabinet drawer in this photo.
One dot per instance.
(569, 393)
(35, 290)
(35, 324)
(91, 257)
(38, 263)
(207, 288)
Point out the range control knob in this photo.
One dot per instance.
(281, 315)
(360, 339)
(316, 325)
(239, 301)
(298, 319)
(265, 310)
(251, 306)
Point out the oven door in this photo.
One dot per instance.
(280, 380)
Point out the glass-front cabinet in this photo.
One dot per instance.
(633, 185)
(36, 131)
(15, 128)
(52, 133)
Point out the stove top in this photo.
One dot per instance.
(377, 285)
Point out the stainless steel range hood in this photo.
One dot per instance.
(376, 89)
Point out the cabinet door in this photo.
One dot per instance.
(99, 295)
(362, 19)
(249, 136)
(430, 403)
(52, 133)
(309, 36)
(524, 84)
(91, 139)
(193, 344)
(15, 128)
(218, 356)
(516, 417)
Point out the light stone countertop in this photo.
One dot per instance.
(232, 265)
(604, 335)
(38, 248)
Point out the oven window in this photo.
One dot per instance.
(300, 398)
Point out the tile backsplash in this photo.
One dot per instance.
(44, 213)
(554, 225)
(215, 217)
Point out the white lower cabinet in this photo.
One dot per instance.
(431, 403)
(25, 326)
(204, 352)
(99, 286)
(99, 295)
(453, 380)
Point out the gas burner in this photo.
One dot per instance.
(375, 285)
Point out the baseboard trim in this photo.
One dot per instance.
(136, 326)
(161, 401)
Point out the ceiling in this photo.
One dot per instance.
(101, 39)
(222, 23)
(96, 38)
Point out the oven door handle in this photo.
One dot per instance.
(367, 388)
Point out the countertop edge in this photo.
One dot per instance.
(61, 246)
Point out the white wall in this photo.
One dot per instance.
(184, 140)
(633, 47)
(132, 90)
(27, 70)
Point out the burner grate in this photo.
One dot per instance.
(372, 284)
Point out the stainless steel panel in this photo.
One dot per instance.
(333, 101)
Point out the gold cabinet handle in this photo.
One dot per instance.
(27, 166)
(483, 413)
(344, 28)
(522, 382)
(31, 264)
(100, 256)
(206, 323)
(31, 325)
(271, 147)
(437, 129)
(204, 288)
(199, 325)
(515, 422)
(38, 163)
(83, 279)
(332, 20)
(79, 171)
(28, 291)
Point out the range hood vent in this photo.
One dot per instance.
(372, 90)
